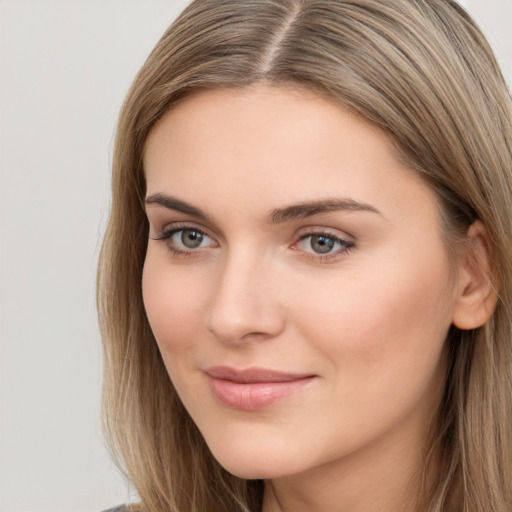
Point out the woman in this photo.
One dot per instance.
(305, 285)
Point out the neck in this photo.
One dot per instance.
(386, 476)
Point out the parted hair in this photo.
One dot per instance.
(422, 71)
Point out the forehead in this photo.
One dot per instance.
(265, 146)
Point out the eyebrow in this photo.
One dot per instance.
(308, 209)
(277, 216)
(171, 203)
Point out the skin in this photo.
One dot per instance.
(369, 322)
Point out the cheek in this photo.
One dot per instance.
(173, 302)
(384, 322)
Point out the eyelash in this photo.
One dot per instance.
(166, 234)
(346, 246)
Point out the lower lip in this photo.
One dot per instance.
(256, 395)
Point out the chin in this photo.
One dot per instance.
(256, 462)
(249, 470)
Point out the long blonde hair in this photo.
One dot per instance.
(420, 70)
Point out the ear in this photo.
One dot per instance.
(476, 288)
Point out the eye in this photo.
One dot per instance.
(189, 238)
(323, 244)
(184, 240)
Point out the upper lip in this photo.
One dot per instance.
(253, 375)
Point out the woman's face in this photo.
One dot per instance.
(296, 281)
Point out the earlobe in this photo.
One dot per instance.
(476, 285)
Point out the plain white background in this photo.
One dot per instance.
(65, 66)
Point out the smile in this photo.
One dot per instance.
(254, 388)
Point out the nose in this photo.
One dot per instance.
(245, 303)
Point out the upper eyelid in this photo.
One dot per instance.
(182, 225)
(166, 235)
(345, 241)
(159, 219)
(300, 233)
(323, 230)
(325, 235)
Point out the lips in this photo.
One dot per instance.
(254, 388)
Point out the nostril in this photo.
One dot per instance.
(244, 319)
(245, 303)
